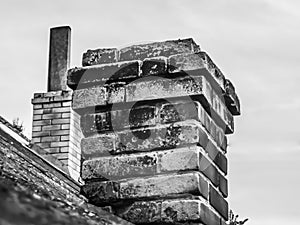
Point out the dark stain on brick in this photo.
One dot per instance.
(154, 67)
(99, 56)
(171, 213)
(142, 134)
(139, 116)
(171, 136)
(142, 212)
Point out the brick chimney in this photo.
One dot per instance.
(55, 125)
(155, 119)
(145, 127)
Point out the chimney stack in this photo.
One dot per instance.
(55, 126)
(59, 58)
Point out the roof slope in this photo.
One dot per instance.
(34, 191)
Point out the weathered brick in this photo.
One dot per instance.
(94, 123)
(80, 77)
(51, 116)
(178, 111)
(60, 144)
(100, 192)
(51, 127)
(63, 149)
(208, 216)
(138, 116)
(154, 66)
(169, 211)
(65, 126)
(157, 186)
(50, 139)
(213, 153)
(89, 97)
(65, 138)
(173, 211)
(52, 96)
(99, 56)
(37, 106)
(65, 115)
(155, 49)
(223, 186)
(60, 121)
(41, 134)
(115, 93)
(38, 111)
(52, 105)
(141, 212)
(49, 110)
(220, 138)
(179, 159)
(67, 104)
(218, 202)
(60, 110)
(220, 108)
(41, 122)
(36, 128)
(98, 146)
(209, 170)
(37, 117)
(59, 132)
(231, 98)
(222, 163)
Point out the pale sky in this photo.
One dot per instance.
(256, 43)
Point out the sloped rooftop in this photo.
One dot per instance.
(35, 191)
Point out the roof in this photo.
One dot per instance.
(35, 191)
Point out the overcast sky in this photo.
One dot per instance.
(256, 43)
